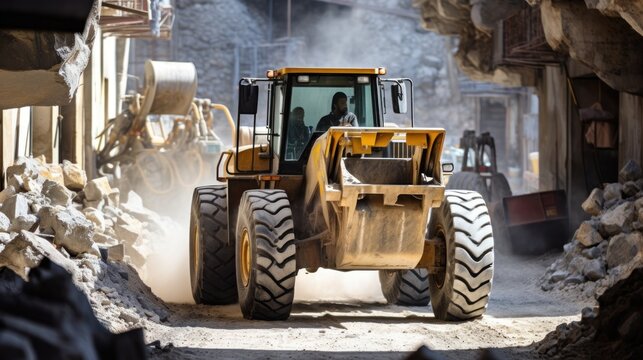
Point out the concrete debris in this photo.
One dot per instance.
(4, 222)
(64, 327)
(614, 330)
(55, 222)
(74, 177)
(15, 206)
(594, 203)
(8, 192)
(97, 189)
(71, 229)
(606, 248)
(630, 172)
(24, 222)
(56, 193)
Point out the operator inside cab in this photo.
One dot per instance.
(339, 114)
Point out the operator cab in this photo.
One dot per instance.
(300, 103)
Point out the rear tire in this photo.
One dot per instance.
(405, 287)
(265, 262)
(212, 271)
(499, 190)
(469, 181)
(461, 291)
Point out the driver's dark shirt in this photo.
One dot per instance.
(336, 120)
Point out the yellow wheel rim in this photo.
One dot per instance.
(245, 258)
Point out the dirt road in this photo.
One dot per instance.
(519, 313)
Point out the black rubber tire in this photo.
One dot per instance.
(270, 289)
(462, 291)
(405, 287)
(212, 270)
(499, 188)
(469, 181)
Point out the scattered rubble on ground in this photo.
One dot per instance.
(52, 211)
(607, 247)
(613, 330)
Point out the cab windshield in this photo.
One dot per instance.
(312, 110)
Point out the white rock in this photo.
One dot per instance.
(24, 222)
(56, 193)
(4, 222)
(8, 192)
(53, 172)
(97, 189)
(95, 217)
(15, 206)
(71, 229)
(612, 192)
(27, 250)
(74, 177)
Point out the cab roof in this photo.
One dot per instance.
(329, 70)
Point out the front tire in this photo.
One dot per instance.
(462, 223)
(212, 271)
(405, 287)
(265, 262)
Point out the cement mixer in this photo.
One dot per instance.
(164, 140)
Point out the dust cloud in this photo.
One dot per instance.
(331, 285)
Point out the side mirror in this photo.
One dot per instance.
(398, 94)
(248, 99)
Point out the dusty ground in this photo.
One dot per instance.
(519, 314)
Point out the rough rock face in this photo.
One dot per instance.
(604, 44)
(605, 248)
(612, 331)
(604, 35)
(472, 24)
(45, 67)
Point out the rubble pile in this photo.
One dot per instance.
(613, 330)
(53, 211)
(607, 247)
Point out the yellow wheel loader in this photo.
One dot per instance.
(297, 195)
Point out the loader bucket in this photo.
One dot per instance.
(379, 205)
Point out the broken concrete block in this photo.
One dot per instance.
(630, 172)
(8, 192)
(595, 252)
(574, 280)
(4, 237)
(4, 222)
(15, 206)
(15, 181)
(630, 189)
(56, 193)
(27, 250)
(617, 220)
(104, 239)
(53, 172)
(74, 177)
(587, 235)
(97, 189)
(97, 204)
(612, 192)
(96, 217)
(70, 228)
(24, 222)
(24, 166)
(128, 233)
(623, 248)
(594, 270)
(559, 275)
(31, 184)
(594, 202)
(115, 252)
(113, 198)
